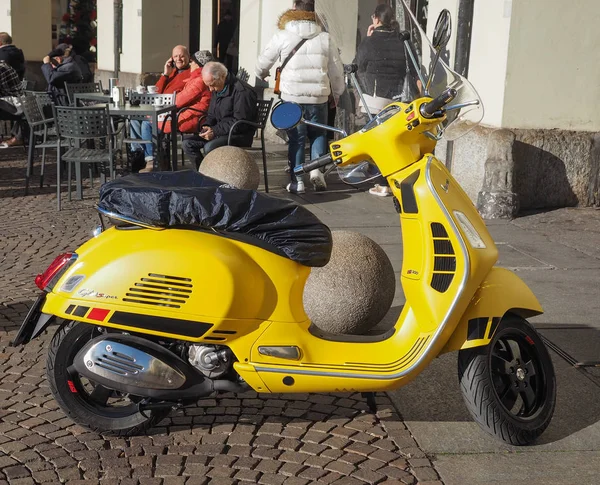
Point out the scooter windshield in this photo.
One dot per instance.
(465, 112)
(396, 62)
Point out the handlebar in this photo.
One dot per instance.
(313, 164)
(429, 110)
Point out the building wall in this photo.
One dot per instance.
(341, 17)
(258, 23)
(489, 55)
(5, 16)
(151, 28)
(165, 24)
(133, 55)
(553, 65)
(206, 25)
(106, 35)
(27, 17)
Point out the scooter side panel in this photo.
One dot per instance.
(431, 314)
(179, 283)
(501, 292)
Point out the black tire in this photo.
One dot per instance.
(509, 386)
(88, 404)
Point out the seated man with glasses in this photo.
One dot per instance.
(232, 100)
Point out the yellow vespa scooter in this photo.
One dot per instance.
(198, 289)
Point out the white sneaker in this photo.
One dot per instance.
(318, 180)
(380, 190)
(295, 187)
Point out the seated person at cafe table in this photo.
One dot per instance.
(59, 67)
(176, 71)
(194, 94)
(173, 78)
(10, 106)
(232, 100)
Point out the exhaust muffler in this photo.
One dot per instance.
(137, 366)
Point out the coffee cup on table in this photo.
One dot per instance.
(152, 89)
(140, 89)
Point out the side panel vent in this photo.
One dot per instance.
(438, 230)
(160, 290)
(444, 263)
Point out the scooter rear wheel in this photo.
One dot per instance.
(85, 402)
(509, 386)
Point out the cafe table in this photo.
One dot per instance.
(97, 97)
(153, 114)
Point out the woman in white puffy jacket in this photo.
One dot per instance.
(311, 75)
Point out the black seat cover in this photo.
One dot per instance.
(187, 198)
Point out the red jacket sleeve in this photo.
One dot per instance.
(162, 82)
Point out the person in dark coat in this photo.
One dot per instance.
(382, 68)
(381, 56)
(86, 73)
(10, 108)
(232, 100)
(12, 55)
(60, 68)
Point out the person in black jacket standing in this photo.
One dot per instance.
(381, 56)
(232, 100)
(11, 54)
(382, 67)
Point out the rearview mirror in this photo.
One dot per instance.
(441, 36)
(443, 29)
(286, 115)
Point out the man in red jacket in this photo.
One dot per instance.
(176, 71)
(175, 74)
(194, 95)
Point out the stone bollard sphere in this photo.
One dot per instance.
(233, 166)
(355, 290)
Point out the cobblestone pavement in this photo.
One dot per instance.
(249, 438)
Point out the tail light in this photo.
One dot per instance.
(48, 278)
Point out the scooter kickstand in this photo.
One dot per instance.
(370, 401)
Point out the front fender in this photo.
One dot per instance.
(501, 292)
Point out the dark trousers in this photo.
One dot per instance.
(193, 145)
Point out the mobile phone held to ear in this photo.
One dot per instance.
(171, 62)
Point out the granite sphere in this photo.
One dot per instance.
(233, 166)
(354, 291)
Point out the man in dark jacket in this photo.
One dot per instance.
(11, 54)
(232, 100)
(60, 68)
(84, 66)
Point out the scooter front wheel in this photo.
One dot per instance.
(85, 402)
(509, 386)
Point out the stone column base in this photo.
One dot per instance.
(498, 205)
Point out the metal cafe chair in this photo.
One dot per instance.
(75, 88)
(263, 107)
(45, 102)
(42, 134)
(74, 125)
(27, 85)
